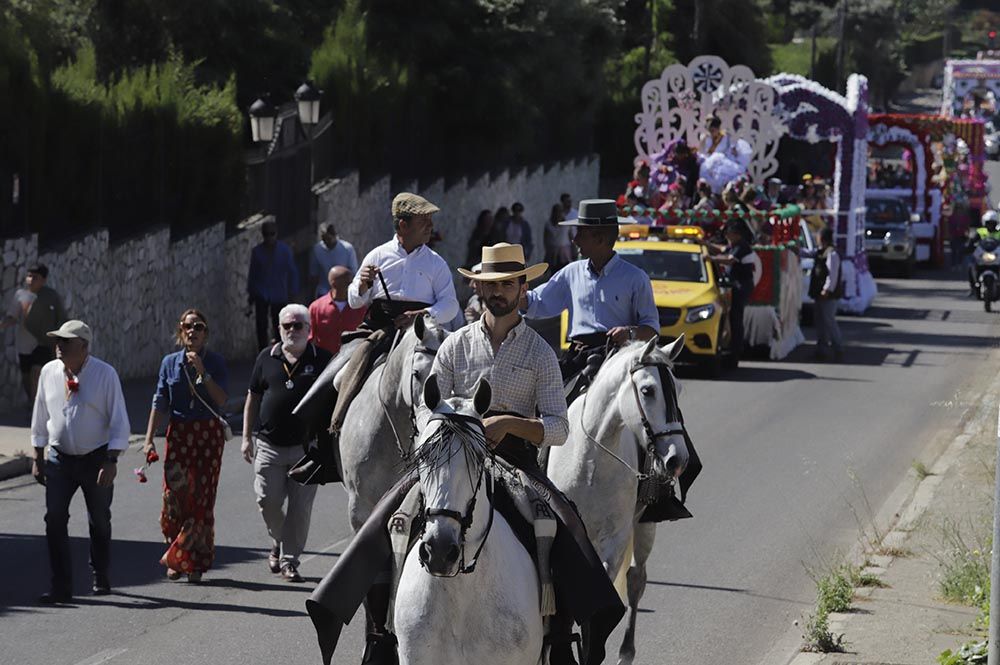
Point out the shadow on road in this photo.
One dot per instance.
(725, 589)
(26, 572)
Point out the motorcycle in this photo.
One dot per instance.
(985, 271)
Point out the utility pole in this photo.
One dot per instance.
(841, 19)
(812, 56)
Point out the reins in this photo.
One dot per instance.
(421, 349)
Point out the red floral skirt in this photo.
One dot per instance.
(190, 480)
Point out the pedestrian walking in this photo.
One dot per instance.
(518, 231)
(826, 288)
(329, 252)
(80, 414)
(558, 247)
(34, 310)
(281, 377)
(271, 283)
(481, 236)
(331, 315)
(569, 211)
(190, 396)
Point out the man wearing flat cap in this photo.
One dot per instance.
(80, 415)
(608, 298)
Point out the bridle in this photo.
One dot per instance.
(667, 384)
(419, 349)
(464, 426)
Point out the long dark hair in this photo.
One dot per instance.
(179, 335)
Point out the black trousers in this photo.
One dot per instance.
(267, 320)
(736, 309)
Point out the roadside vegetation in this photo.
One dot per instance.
(965, 579)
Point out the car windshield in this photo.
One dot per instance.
(886, 213)
(666, 265)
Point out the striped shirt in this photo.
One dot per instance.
(524, 374)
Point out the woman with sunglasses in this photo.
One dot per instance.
(189, 399)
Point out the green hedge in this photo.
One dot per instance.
(150, 147)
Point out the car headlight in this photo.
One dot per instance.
(989, 257)
(703, 313)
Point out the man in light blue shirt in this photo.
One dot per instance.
(606, 296)
(329, 252)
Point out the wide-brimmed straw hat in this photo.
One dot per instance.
(504, 261)
(597, 212)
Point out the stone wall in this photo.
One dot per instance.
(132, 293)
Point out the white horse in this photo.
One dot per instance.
(469, 590)
(380, 424)
(624, 412)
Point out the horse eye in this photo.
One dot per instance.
(648, 391)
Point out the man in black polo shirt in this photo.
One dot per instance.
(281, 377)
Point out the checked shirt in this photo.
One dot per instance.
(524, 374)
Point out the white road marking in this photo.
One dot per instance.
(102, 657)
(328, 548)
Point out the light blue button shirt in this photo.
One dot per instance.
(621, 295)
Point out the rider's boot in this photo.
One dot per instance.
(380, 644)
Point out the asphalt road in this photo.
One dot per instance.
(791, 450)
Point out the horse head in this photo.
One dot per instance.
(649, 407)
(428, 336)
(450, 458)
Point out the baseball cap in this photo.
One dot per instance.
(72, 329)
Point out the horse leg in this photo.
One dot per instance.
(645, 534)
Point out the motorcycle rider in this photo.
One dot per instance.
(990, 228)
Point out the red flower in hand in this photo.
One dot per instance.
(140, 475)
(72, 384)
(151, 457)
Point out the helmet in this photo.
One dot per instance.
(992, 220)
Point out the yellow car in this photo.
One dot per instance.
(686, 288)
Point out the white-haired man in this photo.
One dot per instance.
(281, 377)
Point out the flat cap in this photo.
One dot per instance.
(406, 203)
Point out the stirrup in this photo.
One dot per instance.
(380, 648)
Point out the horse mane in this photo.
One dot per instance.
(618, 365)
(437, 449)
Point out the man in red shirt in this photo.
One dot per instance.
(330, 315)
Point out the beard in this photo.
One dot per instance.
(293, 345)
(500, 307)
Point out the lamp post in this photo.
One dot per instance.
(263, 116)
(307, 97)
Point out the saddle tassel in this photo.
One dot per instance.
(545, 534)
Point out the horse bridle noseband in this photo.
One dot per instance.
(465, 520)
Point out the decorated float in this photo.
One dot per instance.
(939, 175)
(755, 114)
(971, 87)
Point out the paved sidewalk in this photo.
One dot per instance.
(15, 435)
(907, 622)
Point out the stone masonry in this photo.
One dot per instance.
(132, 293)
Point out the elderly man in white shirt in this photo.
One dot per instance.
(413, 278)
(80, 414)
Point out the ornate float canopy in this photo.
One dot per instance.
(962, 77)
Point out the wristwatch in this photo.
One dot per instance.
(202, 378)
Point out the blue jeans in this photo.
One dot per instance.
(64, 474)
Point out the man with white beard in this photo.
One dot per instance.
(281, 377)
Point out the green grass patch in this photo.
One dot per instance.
(794, 58)
(921, 470)
(973, 653)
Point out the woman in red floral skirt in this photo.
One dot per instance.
(189, 398)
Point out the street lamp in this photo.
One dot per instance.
(262, 120)
(308, 98)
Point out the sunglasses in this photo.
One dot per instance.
(295, 325)
(197, 326)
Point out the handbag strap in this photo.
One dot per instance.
(194, 391)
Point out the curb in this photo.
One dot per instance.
(908, 509)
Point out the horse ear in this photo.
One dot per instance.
(432, 393)
(650, 345)
(482, 396)
(418, 327)
(675, 347)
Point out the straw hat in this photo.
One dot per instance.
(504, 261)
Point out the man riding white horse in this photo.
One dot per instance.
(398, 281)
(609, 299)
(529, 412)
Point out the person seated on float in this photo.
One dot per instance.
(609, 299)
(716, 140)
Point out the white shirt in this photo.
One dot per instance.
(91, 417)
(421, 276)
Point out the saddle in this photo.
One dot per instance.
(321, 463)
